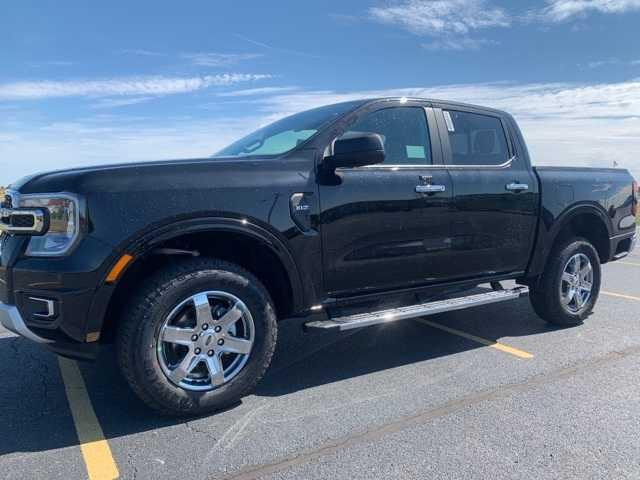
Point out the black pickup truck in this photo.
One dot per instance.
(343, 216)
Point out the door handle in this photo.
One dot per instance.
(517, 187)
(430, 188)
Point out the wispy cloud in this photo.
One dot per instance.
(105, 103)
(50, 63)
(273, 48)
(446, 20)
(431, 17)
(459, 43)
(609, 62)
(248, 92)
(146, 85)
(141, 52)
(562, 10)
(208, 59)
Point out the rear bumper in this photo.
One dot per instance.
(622, 245)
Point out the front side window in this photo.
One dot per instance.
(404, 133)
(476, 139)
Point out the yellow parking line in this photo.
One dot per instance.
(95, 449)
(619, 295)
(620, 262)
(489, 343)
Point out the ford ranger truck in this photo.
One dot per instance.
(343, 216)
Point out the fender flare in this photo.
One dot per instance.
(145, 242)
(541, 255)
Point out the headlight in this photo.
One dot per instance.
(64, 218)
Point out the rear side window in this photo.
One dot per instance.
(476, 139)
(404, 132)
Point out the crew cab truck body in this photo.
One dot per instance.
(347, 216)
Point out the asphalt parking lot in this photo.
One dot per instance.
(439, 399)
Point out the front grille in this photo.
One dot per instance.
(22, 221)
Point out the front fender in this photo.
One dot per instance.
(142, 244)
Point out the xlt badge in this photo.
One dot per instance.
(301, 211)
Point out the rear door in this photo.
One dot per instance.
(379, 230)
(495, 193)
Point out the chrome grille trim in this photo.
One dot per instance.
(10, 208)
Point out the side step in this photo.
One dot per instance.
(412, 311)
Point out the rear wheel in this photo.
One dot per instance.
(569, 287)
(199, 336)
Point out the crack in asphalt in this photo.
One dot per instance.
(194, 429)
(257, 471)
(132, 464)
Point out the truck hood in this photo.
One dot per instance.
(153, 175)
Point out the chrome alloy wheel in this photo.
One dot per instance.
(205, 341)
(576, 283)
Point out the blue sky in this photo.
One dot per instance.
(99, 82)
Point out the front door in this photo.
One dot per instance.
(495, 194)
(381, 228)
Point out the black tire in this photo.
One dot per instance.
(546, 297)
(138, 333)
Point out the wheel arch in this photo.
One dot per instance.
(276, 268)
(587, 220)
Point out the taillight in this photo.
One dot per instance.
(634, 205)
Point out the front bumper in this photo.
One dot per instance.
(64, 286)
(11, 319)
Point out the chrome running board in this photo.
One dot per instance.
(412, 311)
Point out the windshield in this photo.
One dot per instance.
(286, 134)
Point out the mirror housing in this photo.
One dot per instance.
(356, 149)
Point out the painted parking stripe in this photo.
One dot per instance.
(489, 343)
(95, 449)
(620, 295)
(620, 262)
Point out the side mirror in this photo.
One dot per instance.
(356, 149)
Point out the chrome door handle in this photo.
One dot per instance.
(517, 187)
(430, 188)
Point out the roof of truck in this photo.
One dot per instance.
(435, 101)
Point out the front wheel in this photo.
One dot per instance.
(197, 338)
(570, 285)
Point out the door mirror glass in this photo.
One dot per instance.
(356, 149)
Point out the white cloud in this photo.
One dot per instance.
(208, 59)
(431, 17)
(142, 52)
(458, 44)
(249, 92)
(460, 17)
(148, 85)
(119, 102)
(609, 62)
(50, 63)
(563, 123)
(562, 10)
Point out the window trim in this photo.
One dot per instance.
(513, 157)
(399, 166)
